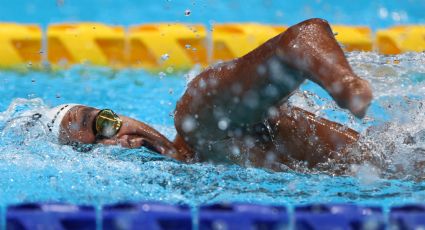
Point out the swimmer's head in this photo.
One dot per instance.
(52, 118)
(77, 125)
(70, 123)
(85, 125)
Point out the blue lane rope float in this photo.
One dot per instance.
(155, 215)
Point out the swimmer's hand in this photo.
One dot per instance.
(310, 46)
(353, 93)
(136, 134)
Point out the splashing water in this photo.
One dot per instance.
(35, 168)
(393, 131)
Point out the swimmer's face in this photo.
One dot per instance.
(77, 125)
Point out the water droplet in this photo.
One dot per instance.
(235, 150)
(383, 13)
(219, 225)
(165, 57)
(261, 69)
(60, 2)
(279, 13)
(145, 207)
(223, 124)
(396, 16)
(162, 74)
(189, 124)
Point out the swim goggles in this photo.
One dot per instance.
(107, 123)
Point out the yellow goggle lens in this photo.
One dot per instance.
(108, 123)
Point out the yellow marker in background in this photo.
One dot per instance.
(172, 46)
(237, 39)
(354, 38)
(20, 45)
(399, 39)
(91, 43)
(167, 46)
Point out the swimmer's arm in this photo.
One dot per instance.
(311, 138)
(135, 134)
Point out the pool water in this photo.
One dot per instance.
(375, 14)
(33, 168)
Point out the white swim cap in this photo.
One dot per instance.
(52, 118)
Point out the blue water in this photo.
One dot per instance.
(32, 168)
(377, 14)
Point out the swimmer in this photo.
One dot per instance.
(237, 111)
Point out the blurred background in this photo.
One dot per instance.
(376, 14)
(33, 169)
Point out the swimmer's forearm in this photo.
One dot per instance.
(310, 138)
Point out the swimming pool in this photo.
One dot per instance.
(376, 14)
(32, 169)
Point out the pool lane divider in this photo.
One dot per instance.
(170, 46)
(399, 39)
(154, 215)
(20, 45)
(69, 44)
(235, 39)
(166, 45)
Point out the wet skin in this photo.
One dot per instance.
(78, 126)
(236, 111)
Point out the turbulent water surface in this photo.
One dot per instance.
(33, 168)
